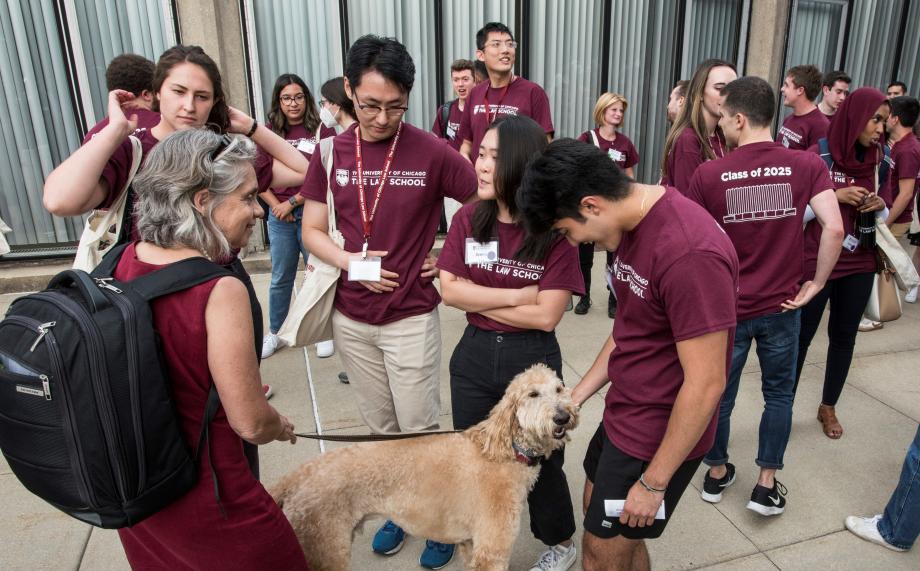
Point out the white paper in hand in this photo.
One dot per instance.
(614, 508)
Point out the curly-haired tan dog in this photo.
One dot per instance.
(465, 488)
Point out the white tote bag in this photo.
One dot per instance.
(309, 320)
(103, 227)
(905, 274)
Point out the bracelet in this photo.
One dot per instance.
(293, 200)
(649, 488)
(255, 125)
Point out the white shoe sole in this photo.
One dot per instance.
(765, 510)
(393, 551)
(857, 526)
(716, 498)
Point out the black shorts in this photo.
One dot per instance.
(613, 473)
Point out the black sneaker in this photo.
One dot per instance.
(768, 501)
(583, 304)
(713, 487)
(611, 306)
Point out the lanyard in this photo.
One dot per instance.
(367, 221)
(501, 98)
(720, 152)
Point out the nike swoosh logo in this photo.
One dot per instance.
(774, 500)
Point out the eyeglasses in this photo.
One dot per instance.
(223, 145)
(289, 99)
(498, 44)
(375, 110)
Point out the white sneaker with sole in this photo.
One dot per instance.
(325, 349)
(911, 296)
(270, 344)
(866, 325)
(556, 558)
(867, 528)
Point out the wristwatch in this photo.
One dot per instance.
(293, 200)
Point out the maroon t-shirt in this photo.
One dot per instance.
(686, 155)
(146, 119)
(620, 150)
(905, 163)
(452, 128)
(522, 97)
(424, 171)
(675, 278)
(758, 194)
(802, 131)
(305, 142)
(560, 270)
(858, 261)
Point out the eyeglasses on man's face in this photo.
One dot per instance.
(375, 110)
(290, 99)
(499, 44)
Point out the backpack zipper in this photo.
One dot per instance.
(100, 388)
(127, 311)
(57, 367)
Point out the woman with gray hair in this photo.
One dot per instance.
(197, 197)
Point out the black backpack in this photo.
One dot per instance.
(444, 116)
(87, 420)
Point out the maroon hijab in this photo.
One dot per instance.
(849, 121)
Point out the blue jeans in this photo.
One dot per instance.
(286, 247)
(777, 337)
(900, 524)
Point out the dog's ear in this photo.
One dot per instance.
(497, 431)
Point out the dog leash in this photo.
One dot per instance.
(371, 437)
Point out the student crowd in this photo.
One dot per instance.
(700, 265)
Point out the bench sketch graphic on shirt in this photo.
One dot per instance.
(758, 202)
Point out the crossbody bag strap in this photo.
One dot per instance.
(594, 138)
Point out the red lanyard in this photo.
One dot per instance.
(498, 106)
(367, 221)
(720, 152)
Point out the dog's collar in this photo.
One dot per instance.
(524, 455)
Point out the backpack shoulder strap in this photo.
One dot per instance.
(884, 167)
(106, 267)
(177, 277)
(825, 151)
(445, 116)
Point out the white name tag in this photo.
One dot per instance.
(481, 253)
(451, 133)
(615, 155)
(364, 270)
(614, 508)
(306, 146)
(850, 242)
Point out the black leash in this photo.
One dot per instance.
(371, 437)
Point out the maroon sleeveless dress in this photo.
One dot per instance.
(191, 533)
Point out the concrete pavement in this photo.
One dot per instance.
(827, 480)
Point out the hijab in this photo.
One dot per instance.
(849, 122)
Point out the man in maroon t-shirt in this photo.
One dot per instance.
(461, 77)
(504, 93)
(904, 177)
(676, 279)
(835, 86)
(807, 124)
(758, 194)
(133, 73)
(387, 179)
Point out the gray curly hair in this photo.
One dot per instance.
(174, 171)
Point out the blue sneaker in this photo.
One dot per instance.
(389, 539)
(436, 555)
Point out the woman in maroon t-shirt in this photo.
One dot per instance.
(513, 302)
(294, 117)
(197, 197)
(852, 138)
(609, 115)
(695, 136)
(189, 94)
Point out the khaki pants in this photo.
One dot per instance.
(899, 230)
(394, 370)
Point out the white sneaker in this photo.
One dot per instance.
(556, 558)
(869, 325)
(911, 296)
(325, 349)
(270, 344)
(867, 528)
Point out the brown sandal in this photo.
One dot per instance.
(828, 420)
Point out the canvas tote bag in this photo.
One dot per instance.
(885, 299)
(103, 227)
(309, 320)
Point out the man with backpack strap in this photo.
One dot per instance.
(447, 124)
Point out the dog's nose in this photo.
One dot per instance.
(562, 417)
